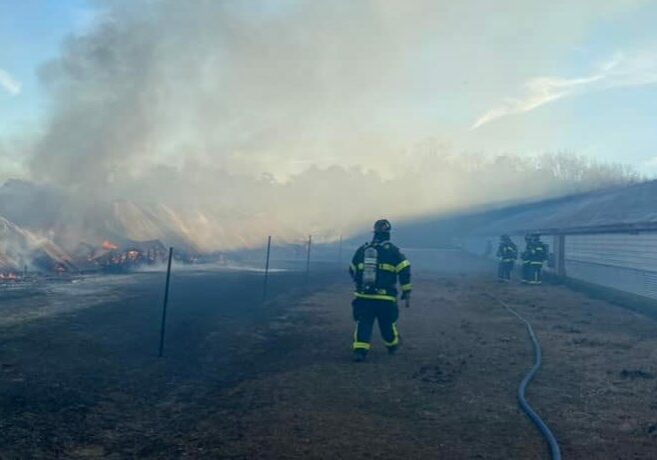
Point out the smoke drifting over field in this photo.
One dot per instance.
(229, 120)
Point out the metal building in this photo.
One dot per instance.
(606, 238)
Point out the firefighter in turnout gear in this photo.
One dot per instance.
(534, 256)
(507, 253)
(375, 268)
(526, 268)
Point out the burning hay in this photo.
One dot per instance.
(22, 250)
(114, 257)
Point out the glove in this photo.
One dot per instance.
(406, 297)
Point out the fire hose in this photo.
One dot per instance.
(551, 440)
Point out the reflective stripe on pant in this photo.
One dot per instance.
(359, 345)
(366, 311)
(395, 336)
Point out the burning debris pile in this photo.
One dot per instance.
(7, 269)
(42, 231)
(21, 250)
(113, 257)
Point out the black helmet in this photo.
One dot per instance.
(505, 237)
(382, 226)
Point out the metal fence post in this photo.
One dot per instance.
(310, 242)
(264, 288)
(340, 252)
(560, 254)
(166, 301)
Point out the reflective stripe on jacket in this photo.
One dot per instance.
(392, 266)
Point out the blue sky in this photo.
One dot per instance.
(583, 80)
(31, 32)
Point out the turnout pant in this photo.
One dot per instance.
(365, 312)
(536, 273)
(526, 271)
(504, 269)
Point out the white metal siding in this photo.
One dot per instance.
(620, 261)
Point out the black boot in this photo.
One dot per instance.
(359, 355)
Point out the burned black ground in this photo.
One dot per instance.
(245, 380)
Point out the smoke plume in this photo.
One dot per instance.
(229, 120)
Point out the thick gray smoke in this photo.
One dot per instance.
(230, 120)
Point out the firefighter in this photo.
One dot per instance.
(526, 262)
(537, 257)
(535, 254)
(507, 253)
(375, 269)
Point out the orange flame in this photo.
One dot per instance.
(108, 245)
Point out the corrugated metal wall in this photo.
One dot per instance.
(620, 261)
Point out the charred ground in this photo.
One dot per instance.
(246, 380)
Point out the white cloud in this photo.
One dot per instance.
(639, 68)
(9, 83)
(539, 91)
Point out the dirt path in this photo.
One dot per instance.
(598, 384)
(278, 382)
(450, 392)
